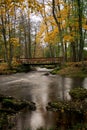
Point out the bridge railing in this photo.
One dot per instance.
(40, 60)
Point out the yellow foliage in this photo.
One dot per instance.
(68, 38)
(76, 24)
(51, 36)
(65, 12)
(3, 66)
(63, 24)
(41, 33)
(85, 26)
(14, 42)
(8, 1)
(59, 2)
(51, 20)
(73, 34)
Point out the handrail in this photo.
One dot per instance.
(40, 60)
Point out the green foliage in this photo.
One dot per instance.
(55, 70)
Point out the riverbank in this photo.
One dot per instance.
(16, 68)
(72, 69)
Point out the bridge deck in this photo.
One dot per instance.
(40, 61)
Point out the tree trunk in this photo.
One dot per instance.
(65, 51)
(10, 45)
(59, 28)
(29, 38)
(26, 55)
(4, 37)
(73, 52)
(81, 41)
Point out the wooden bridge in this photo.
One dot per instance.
(41, 61)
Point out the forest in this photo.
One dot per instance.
(55, 93)
(43, 28)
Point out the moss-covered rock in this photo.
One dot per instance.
(55, 71)
(15, 104)
(68, 106)
(9, 106)
(78, 93)
(69, 113)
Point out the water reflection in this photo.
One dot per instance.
(23, 120)
(37, 119)
(59, 88)
(41, 89)
(85, 83)
(77, 82)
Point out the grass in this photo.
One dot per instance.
(72, 69)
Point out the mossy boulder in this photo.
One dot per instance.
(69, 113)
(17, 105)
(9, 107)
(68, 106)
(78, 93)
(73, 112)
(13, 104)
(55, 71)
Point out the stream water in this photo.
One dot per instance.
(40, 87)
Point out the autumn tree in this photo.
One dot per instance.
(62, 30)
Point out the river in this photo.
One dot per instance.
(40, 87)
